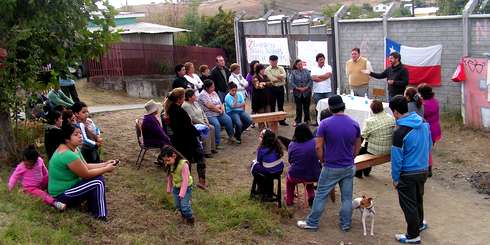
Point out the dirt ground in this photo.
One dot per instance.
(455, 212)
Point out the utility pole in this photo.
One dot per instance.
(413, 8)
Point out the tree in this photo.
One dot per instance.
(450, 7)
(330, 10)
(38, 33)
(354, 12)
(402, 12)
(210, 31)
(218, 32)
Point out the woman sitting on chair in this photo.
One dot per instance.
(152, 131)
(305, 166)
(268, 162)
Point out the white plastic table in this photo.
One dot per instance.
(356, 107)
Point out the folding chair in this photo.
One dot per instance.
(139, 138)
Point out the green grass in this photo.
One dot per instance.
(223, 212)
(27, 220)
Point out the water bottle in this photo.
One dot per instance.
(365, 99)
(352, 94)
(338, 91)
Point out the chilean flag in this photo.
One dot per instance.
(423, 64)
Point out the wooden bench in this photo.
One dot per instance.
(271, 119)
(368, 160)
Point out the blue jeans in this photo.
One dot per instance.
(319, 96)
(241, 120)
(217, 121)
(184, 204)
(329, 177)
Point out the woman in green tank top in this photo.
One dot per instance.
(72, 180)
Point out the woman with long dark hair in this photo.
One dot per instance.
(301, 83)
(250, 76)
(261, 101)
(185, 136)
(304, 164)
(268, 162)
(415, 102)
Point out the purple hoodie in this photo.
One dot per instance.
(431, 115)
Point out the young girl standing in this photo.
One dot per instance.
(179, 182)
(34, 177)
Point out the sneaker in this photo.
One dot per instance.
(59, 205)
(402, 238)
(303, 225)
(424, 226)
(253, 125)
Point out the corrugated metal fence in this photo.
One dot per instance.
(130, 59)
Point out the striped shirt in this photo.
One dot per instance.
(378, 132)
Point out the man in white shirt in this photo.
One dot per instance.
(320, 74)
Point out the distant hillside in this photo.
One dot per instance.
(168, 13)
(256, 7)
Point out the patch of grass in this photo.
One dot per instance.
(27, 220)
(451, 120)
(223, 212)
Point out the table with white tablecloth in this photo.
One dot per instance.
(356, 107)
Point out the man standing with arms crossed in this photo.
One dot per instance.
(277, 75)
(322, 86)
(358, 81)
(409, 166)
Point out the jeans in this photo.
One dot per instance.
(217, 121)
(241, 120)
(277, 98)
(221, 96)
(411, 197)
(302, 105)
(184, 204)
(329, 177)
(90, 154)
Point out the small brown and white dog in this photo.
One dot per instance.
(366, 208)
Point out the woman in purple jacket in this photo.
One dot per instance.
(268, 162)
(304, 164)
(431, 115)
(153, 134)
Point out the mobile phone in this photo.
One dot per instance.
(117, 162)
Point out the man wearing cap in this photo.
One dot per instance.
(277, 75)
(337, 143)
(152, 131)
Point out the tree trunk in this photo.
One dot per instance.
(7, 141)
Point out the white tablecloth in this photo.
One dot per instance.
(356, 107)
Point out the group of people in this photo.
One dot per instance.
(188, 129)
(75, 171)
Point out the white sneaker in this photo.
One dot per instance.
(303, 225)
(59, 205)
(402, 238)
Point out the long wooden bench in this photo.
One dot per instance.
(368, 160)
(271, 119)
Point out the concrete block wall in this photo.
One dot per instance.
(368, 36)
(428, 32)
(480, 36)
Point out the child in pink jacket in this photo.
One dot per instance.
(34, 177)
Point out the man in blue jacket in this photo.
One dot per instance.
(409, 163)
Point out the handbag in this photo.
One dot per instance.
(459, 75)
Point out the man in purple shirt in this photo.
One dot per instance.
(337, 143)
